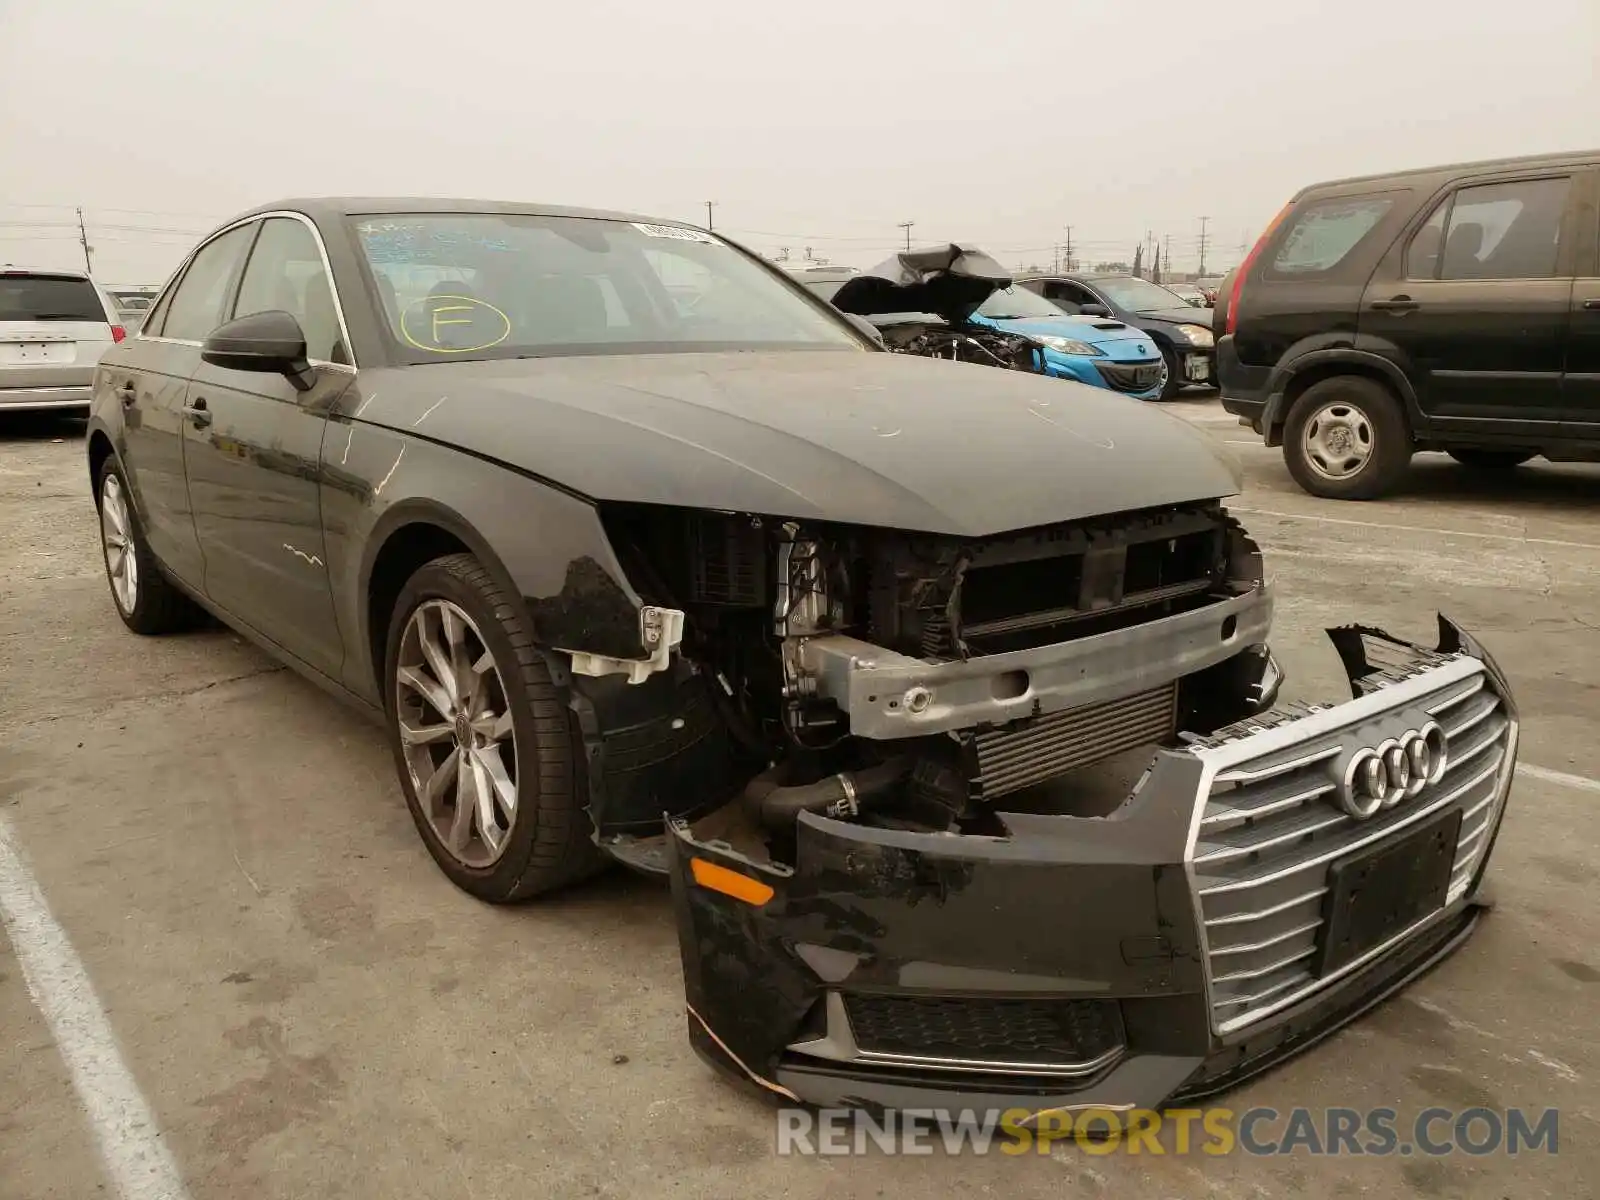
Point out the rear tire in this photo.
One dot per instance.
(1346, 439)
(1491, 460)
(503, 724)
(147, 601)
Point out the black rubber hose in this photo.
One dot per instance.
(778, 807)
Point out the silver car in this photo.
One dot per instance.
(54, 326)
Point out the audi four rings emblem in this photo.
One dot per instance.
(1379, 777)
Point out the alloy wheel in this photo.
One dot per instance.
(1337, 440)
(116, 535)
(456, 733)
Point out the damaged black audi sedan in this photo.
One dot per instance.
(941, 694)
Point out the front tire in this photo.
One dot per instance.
(483, 741)
(1346, 439)
(146, 600)
(1172, 379)
(1491, 460)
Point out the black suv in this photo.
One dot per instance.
(1454, 308)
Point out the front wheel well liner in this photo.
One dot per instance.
(405, 550)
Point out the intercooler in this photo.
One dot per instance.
(1008, 760)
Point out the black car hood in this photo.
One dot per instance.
(1186, 315)
(839, 435)
(950, 281)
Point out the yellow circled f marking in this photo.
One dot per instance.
(464, 304)
(449, 308)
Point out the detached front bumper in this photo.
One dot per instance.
(1218, 921)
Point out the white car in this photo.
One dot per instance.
(54, 326)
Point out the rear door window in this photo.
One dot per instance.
(34, 297)
(1503, 230)
(1324, 234)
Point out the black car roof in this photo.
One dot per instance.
(332, 208)
(1564, 158)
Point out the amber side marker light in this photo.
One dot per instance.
(730, 883)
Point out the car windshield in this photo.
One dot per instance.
(49, 298)
(1139, 295)
(1016, 304)
(480, 285)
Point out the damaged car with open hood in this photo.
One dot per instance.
(944, 701)
(956, 302)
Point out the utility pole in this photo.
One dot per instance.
(1166, 254)
(710, 204)
(1070, 266)
(906, 225)
(1203, 221)
(83, 240)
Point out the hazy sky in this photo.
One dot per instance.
(822, 123)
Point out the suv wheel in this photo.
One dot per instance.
(1346, 439)
(1491, 460)
(482, 739)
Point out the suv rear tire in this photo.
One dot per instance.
(1346, 439)
(1491, 460)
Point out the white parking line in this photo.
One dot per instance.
(135, 1157)
(1582, 782)
(1467, 533)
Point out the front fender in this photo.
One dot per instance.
(543, 545)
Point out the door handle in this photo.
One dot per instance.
(197, 413)
(1398, 304)
(1592, 302)
(127, 393)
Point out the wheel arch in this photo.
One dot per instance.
(409, 535)
(99, 449)
(1296, 377)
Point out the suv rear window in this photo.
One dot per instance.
(1324, 233)
(49, 298)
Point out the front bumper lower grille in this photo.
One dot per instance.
(1270, 829)
(1125, 377)
(1026, 1033)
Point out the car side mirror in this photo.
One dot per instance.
(867, 329)
(1094, 310)
(270, 342)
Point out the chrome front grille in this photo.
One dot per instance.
(1270, 828)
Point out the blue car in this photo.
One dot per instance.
(1097, 351)
(957, 303)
